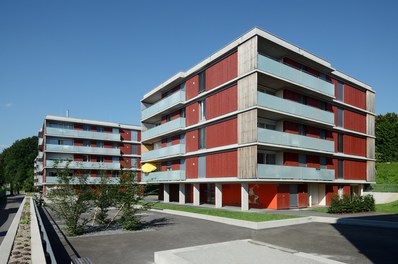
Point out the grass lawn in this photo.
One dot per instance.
(389, 208)
(387, 173)
(319, 209)
(247, 216)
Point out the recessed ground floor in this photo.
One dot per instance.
(255, 195)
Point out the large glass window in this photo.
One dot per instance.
(302, 160)
(202, 82)
(134, 162)
(202, 110)
(100, 144)
(323, 162)
(302, 130)
(134, 135)
(340, 169)
(134, 149)
(340, 117)
(340, 143)
(202, 138)
(100, 129)
(340, 91)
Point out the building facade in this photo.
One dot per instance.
(259, 124)
(87, 147)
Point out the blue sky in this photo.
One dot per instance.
(98, 58)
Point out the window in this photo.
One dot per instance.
(340, 91)
(86, 158)
(115, 159)
(115, 174)
(86, 127)
(340, 116)
(302, 160)
(67, 142)
(266, 158)
(115, 145)
(134, 135)
(202, 110)
(261, 158)
(202, 138)
(100, 158)
(100, 144)
(202, 82)
(168, 118)
(100, 129)
(322, 134)
(269, 126)
(340, 143)
(86, 143)
(270, 159)
(302, 130)
(323, 106)
(323, 162)
(134, 149)
(168, 166)
(182, 112)
(266, 123)
(303, 99)
(115, 130)
(340, 169)
(134, 162)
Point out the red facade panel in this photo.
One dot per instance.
(192, 114)
(313, 102)
(302, 193)
(313, 161)
(222, 102)
(222, 164)
(221, 72)
(191, 140)
(231, 195)
(283, 196)
(354, 96)
(191, 167)
(125, 134)
(263, 196)
(78, 158)
(354, 145)
(78, 142)
(313, 132)
(221, 134)
(175, 140)
(175, 115)
(354, 121)
(290, 95)
(125, 149)
(354, 170)
(290, 127)
(290, 159)
(192, 87)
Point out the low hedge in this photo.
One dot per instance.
(351, 204)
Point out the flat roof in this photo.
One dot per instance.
(90, 122)
(266, 35)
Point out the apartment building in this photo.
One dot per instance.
(88, 147)
(261, 123)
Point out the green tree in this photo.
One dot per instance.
(387, 137)
(16, 164)
(103, 198)
(71, 199)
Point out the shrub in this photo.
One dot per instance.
(351, 204)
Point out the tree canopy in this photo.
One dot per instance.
(16, 164)
(387, 137)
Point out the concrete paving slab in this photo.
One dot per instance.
(238, 252)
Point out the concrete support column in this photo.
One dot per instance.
(361, 189)
(166, 193)
(218, 195)
(244, 196)
(309, 188)
(196, 195)
(181, 194)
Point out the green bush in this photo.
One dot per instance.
(355, 204)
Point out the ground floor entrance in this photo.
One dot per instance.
(255, 195)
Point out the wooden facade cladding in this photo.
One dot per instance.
(354, 145)
(221, 134)
(222, 102)
(192, 141)
(222, 164)
(192, 87)
(355, 170)
(221, 72)
(354, 97)
(247, 127)
(247, 162)
(192, 114)
(191, 168)
(247, 91)
(247, 56)
(354, 121)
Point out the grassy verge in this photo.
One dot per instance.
(247, 216)
(319, 209)
(389, 208)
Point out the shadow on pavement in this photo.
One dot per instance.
(60, 253)
(13, 201)
(373, 242)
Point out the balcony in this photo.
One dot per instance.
(40, 141)
(161, 176)
(295, 76)
(293, 108)
(166, 103)
(82, 150)
(40, 155)
(52, 131)
(291, 140)
(163, 152)
(84, 165)
(168, 127)
(267, 171)
(90, 180)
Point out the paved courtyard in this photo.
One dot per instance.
(345, 243)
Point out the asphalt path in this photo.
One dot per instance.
(8, 208)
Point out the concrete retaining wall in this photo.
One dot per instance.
(383, 197)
